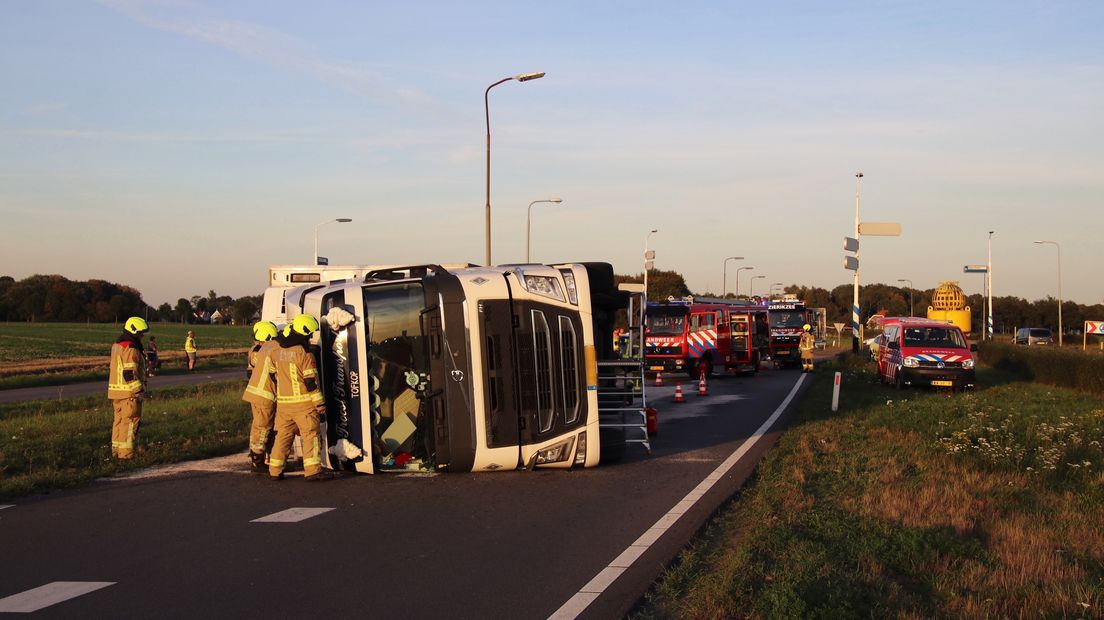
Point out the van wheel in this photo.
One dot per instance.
(899, 382)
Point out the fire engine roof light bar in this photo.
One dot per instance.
(341, 220)
(521, 77)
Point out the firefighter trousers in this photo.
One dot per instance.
(806, 360)
(124, 430)
(307, 423)
(261, 436)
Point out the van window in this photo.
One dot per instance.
(1040, 333)
(947, 337)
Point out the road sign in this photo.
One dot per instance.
(649, 265)
(850, 263)
(880, 229)
(1094, 327)
(649, 255)
(850, 244)
(975, 269)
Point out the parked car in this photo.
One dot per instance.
(1033, 336)
(924, 352)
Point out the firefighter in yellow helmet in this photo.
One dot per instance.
(260, 393)
(126, 385)
(299, 402)
(806, 346)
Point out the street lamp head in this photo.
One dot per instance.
(556, 200)
(525, 77)
(859, 174)
(655, 230)
(344, 219)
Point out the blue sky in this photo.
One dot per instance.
(184, 146)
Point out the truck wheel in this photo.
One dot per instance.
(899, 382)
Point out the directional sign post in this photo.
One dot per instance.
(1092, 327)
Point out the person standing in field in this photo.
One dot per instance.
(190, 349)
(151, 356)
(260, 393)
(299, 402)
(126, 386)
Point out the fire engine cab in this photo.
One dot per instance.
(787, 319)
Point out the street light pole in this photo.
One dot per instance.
(751, 292)
(646, 239)
(910, 293)
(342, 220)
(989, 286)
(738, 270)
(524, 77)
(724, 278)
(855, 287)
(529, 222)
(1055, 244)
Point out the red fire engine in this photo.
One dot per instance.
(697, 335)
(787, 320)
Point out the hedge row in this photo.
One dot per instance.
(1072, 369)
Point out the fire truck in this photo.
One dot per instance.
(695, 336)
(787, 317)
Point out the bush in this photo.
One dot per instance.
(1072, 369)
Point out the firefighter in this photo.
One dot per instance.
(126, 385)
(806, 346)
(260, 393)
(299, 403)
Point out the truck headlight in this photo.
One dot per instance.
(569, 283)
(911, 362)
(546, 286)
(968, 364)
(580, 449)
(554, 453)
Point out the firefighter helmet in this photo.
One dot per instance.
(806, 327)
(136, 325)
(304, 324)
(265, 330)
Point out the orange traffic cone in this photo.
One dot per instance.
(702, 389)
(659, 379)
(678, 394)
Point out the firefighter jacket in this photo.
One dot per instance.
(296, 375)
(807, 342)
(129, 370)
(260, 368)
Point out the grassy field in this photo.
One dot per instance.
(910, 504)
(21, 342)
(56, 444)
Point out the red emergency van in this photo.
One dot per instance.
(923, 352)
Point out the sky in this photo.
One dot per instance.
(179, 146)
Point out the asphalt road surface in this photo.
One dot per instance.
(208, 539)
(100, 387)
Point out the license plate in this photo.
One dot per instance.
(943, 383)
(655, 368)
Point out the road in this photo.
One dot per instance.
(186, 541)
(100, 387)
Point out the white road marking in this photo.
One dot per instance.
(3, 506)
(49, 594)
(292, 515)
(585, 596)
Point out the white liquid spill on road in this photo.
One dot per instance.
(49, 594)
(234, 463)
(596, 586)
(292, 515)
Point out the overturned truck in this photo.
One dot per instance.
(425, 368)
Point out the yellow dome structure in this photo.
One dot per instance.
(949, 304)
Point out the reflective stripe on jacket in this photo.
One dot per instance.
(807, 343)
(127, 376)
(296, 379)
(262, 387)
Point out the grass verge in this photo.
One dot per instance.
(57, 444)
(65, 377)
(910, 504)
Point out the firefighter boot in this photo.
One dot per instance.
(257, 463)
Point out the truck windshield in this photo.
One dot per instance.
(934, 337)
(787, 319)
(398, 364)
(666, 321)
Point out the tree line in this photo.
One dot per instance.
(57, 298)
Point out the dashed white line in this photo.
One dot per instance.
(292, 515)
(594, 588)
(49, 594)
